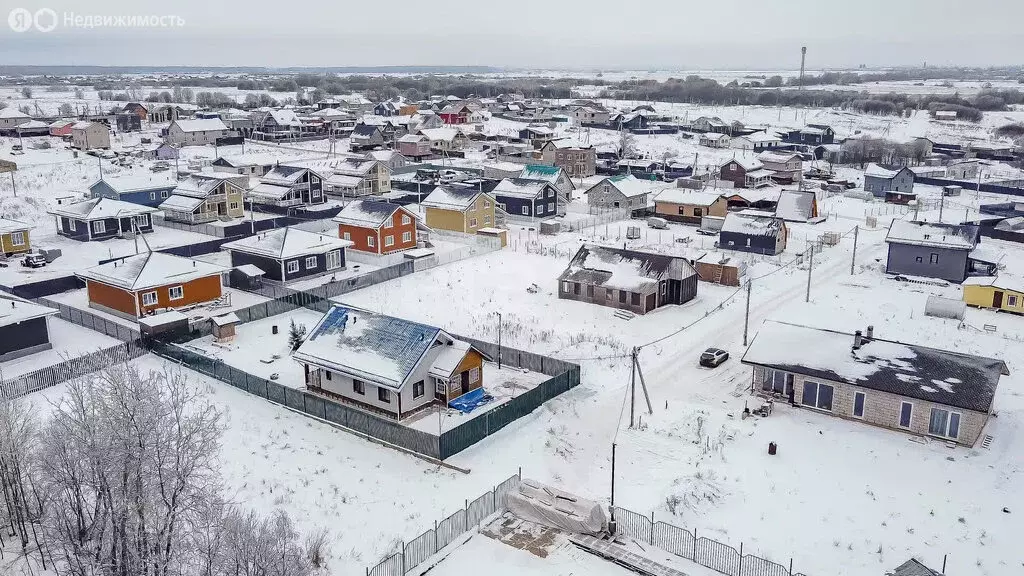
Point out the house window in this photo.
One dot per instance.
(346, 236)
(576, 288)
(389, 240)
(358, 387)
(71, 225)
(664, 288)
(175, 292)
(310, 262)
(406, 220)
(293, 266)
(149, 299)
(635, 298)
(417, 389)
(384, 395)
(406, 236)
(1010, 300)
(934, 258)
(698, 212)
(487, 204)
(163, 194)
(441, 388)
(142, 221)
(918, 260)
(371, 241)
(327, 374)
(944, 423)
(906, 414)
(622, 296)
(608, 293)
(732, 167)
(152, 195)
(233, 206)
(817, 396)
(551, 206)
(334, 259)
(99, 227)
(526, 210)
(858, 404)
(590, 290)
(777, 382)
(18, 239)
(566, 287)
(474, 374)
(487, 220)
(390, 223)
(472, 222)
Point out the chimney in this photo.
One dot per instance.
(870, 333)
(857, 340)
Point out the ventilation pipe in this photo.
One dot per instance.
(857, 340)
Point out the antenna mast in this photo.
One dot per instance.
(803, 60)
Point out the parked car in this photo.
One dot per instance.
(160, 166)
(713, 357)
(33, 261)
(657, 223)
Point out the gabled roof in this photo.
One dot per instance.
(201, 185)
(521, 188)
(285, 243)
(282, 118)
(748, 164)
(914, 568)
(795, 206)
(451, 198)
(123, 184)
(752, 225)
(935, 235)
(284, 174)
(713, 136)
(887, 172)
(777, 157)
(1003, 282)
(12, 112)
(181, 203)
(269, 191)
(621, 269)
(366, 213)
(949, 378)
(14, 310)
(200, 125)
(372, 347)
(435, 134)
(61, 123)
(100, 208)
(760, 137)
(7, 226)
(150, 270)
(549, 174)
(630, 186)
(365, 130)
(687, 197)
(412, 138)
(567, 144)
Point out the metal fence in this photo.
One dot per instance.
(92, 321)
(472, 515)
(709, 553)
(49, 287)
(70, 369)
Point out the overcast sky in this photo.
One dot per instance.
(639, 34)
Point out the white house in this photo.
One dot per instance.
(89, 135)
(196, 132)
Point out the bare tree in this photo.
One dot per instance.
(26, 91)
(18, 430)
(65, 109)
(79, 93)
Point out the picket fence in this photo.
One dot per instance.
(70, 369)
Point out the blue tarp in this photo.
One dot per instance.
(470, 400)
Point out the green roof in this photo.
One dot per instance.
(541, 169)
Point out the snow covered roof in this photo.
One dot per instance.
(412, 138)
(753, 195)
(201, 125)
(1003, 281)
(620, 269)
(630, 186)
(287, 174)
(748, 164)
(752, 225)
(14, 310)
(713, 136)
(440, 134)
(283, 118)
(505, 167)
(226, 319)
(201, 185)
(777, 157)
(688, 197)
(949, 378)
(343, 181)
(135, 182)
(366, 213)
(285, 243)
(520, 188)
(269, 191)
(150, 270)
(7, 226)
(61, 123)
(761, 137)
(32, 125)
(914, 568)
(451, 198)
(99, 208)
(794, 206)
(181, 203)
(248, 159)
(550, 174)
(372, 347)
(365, 130)
(448, 359)
(760, 173)
(953, 236)
(11, 112)
(879, 171)
(83, 125)
(383, 155)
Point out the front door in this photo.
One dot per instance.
(465, 381)
(222, 209)
(997, 299)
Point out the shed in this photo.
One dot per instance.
(939, 307)
(170, 321)
(495, 233)
(224, 326)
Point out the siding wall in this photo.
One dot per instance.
(194, 292)
(7, 246)
(984, 297)
(952, 264)
(359, 235)
(606, 195)
(883, 409)
(23, 335)
(609, 297)
(686, 212)
(111, 298)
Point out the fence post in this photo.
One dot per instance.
(403, 557)
(652, 528)
(435, 536)
(694, 557)
(790, 566)
(741, 560)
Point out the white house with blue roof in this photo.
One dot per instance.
(387, 365)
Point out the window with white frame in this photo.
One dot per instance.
(99, 227)
(859, 399)
(906, 414)
(944, 423)
(1011, 301)
(406, 220)
(175, 292)
(334, 259)
(526, 210)
(406, 236)
(817, 395)
(474, 374)
(149, 299)
(152, 195)
(441, 388)
(18, 239)
(71, 225)
(417, 389)
(310, 262)
(472, 222)
(346, 236)
(390, 222)
(142, 221)
(233, 206)
(371, 241)
(389, 240)
(292, 266)
(551, 206)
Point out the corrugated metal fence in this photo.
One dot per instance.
(92, 321)
(418, 550)
(709, 553)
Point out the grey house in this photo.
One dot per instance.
(625, 191)
(880, 179)
(627, 279)
(753, 233)
(895, 385)
(288, 254)
(931, 250)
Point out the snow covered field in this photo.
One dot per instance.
(68, 340)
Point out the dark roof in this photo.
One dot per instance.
(939, 376)
(286, 170)
(820, 126)
(914, 568)
(365, 129)
(621, 269)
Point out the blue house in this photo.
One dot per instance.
(755, 233)
(812, 134)
(531, 198)
(143, 189)
(102, 219)
(880, 180)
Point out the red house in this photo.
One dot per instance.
(61, 127)
(377, 227)
(455, 114)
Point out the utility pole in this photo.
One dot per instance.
(632, 391)
(810, 269)
(613, 481)
(746, 318)
(853, 259)
(942, 204)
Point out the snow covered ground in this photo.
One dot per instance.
(68, 340)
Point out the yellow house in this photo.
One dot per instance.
(459, 209)
(1000, 292)
(14, 237)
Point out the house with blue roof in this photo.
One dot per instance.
(387, 365)
(553, 175)
(144, 189)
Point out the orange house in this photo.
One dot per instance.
(138, 285)
(377, 227)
